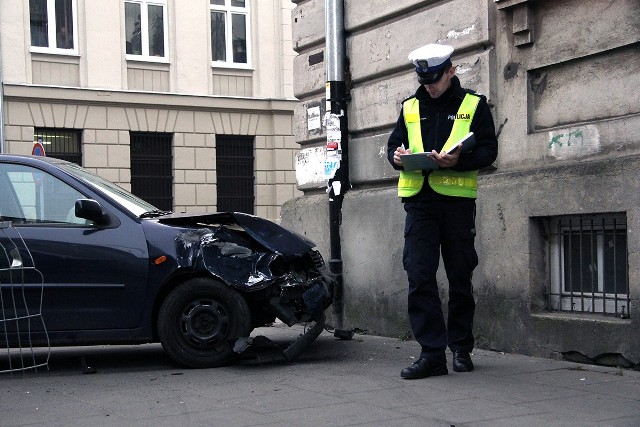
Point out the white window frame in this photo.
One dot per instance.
(229, 10)
(144, 31)
(51, 31)
(584, 302)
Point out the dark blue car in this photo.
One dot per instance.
(102, 266)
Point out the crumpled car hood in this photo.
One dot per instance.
(241, 258)
(273, 237)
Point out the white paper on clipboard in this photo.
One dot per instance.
(424, 161)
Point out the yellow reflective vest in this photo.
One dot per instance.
(444, 181)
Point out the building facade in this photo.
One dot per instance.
(188, 104)
(559, 271)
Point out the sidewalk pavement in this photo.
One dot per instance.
(333, 383)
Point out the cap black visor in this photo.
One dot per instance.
(429, 78)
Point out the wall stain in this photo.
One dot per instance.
(510, 70)
(501, 217)
(539, 83)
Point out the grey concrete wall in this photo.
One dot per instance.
(561, 78)
(510, 282)
(578, 73)
(381, 77)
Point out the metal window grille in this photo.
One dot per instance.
(152, 168)
(234, 170)
(60, 143)
(589, 267)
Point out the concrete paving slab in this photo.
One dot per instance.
(335, 382)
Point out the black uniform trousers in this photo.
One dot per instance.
(447, 224)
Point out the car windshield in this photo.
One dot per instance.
(134, 204)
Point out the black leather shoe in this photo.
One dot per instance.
(462, 361)
(423, 368)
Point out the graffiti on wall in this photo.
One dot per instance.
(574, 142)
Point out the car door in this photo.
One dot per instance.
(93, 277)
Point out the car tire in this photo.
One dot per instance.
(199, 322)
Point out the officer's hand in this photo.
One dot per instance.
(396, 156)
(446, 160)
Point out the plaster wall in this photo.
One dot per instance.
(559, 78)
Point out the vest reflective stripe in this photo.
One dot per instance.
(410, 183)
(446, 182)
(452, 183)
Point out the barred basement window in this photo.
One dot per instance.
(588, 264)
(60, 143)
(152, 168)
(234, 173)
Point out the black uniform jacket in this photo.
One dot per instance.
(436, 120)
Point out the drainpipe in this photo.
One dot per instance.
(337, 161)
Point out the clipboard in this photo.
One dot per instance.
(424, 161)
(418, 161)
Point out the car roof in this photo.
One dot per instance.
(29, 159)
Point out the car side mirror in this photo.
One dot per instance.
(91, 210)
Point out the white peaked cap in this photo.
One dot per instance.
(436, 55)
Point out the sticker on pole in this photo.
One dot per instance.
(330, 168)
(334, 134)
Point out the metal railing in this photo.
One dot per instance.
(20, 307)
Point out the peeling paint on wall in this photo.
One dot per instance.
(462, 70)
(574, 142)
(453, 34)
(466, 67)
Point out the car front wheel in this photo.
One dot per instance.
(199, 322)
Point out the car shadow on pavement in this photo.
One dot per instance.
(267, 350)
(63, 361)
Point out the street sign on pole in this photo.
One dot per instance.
(38, 149)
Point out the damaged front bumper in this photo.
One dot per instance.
(278, 271)
(315, 300)
(255, 346)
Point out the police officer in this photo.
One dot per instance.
(440, 206)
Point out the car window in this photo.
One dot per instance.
(9, 207)
(125, 199)
(31, 196)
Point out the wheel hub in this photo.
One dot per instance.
(204, 323)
